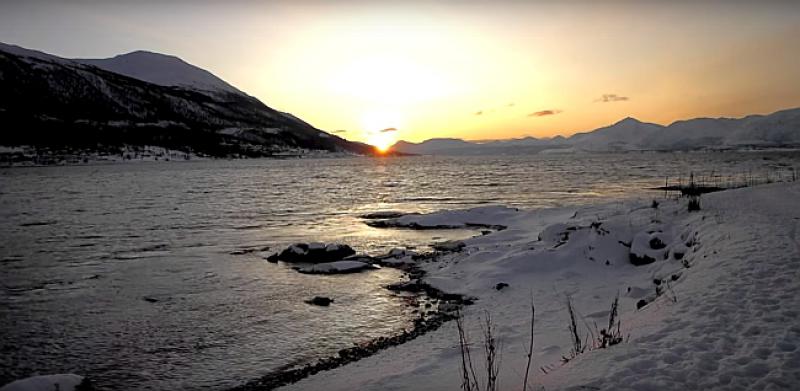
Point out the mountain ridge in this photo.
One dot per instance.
(54, 103)
(778, 129)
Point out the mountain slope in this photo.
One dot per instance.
(59, 103)
(162, 70)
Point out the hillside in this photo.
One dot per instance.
(58, 104)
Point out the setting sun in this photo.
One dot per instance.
(380, 129)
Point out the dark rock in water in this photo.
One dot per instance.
(408, 286)
(382, 215)
(150, 299)
(637, 260)
(500, 286)
(273, 258)
(641, 303)
(320, 301)
(314, 253)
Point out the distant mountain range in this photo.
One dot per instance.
(776, 130)
(143, 99)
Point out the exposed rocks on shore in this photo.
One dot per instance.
(313, 253)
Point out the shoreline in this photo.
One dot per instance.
(586, 263)
(448, 305)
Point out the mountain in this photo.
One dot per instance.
(628, 134)
(143, 99)
(163, 70)
(451, 146)
(779, 129)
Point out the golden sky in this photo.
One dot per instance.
(380, 71)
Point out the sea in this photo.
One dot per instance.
(152, 275)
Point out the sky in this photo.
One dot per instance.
(379, 71)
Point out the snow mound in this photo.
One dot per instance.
(60, 382)
(486, 216)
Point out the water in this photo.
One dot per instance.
(82, 246)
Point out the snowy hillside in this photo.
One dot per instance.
(161, 69)
(707, 300)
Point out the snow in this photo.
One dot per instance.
(483, 216)
(60, 382)
(163, 70)
(336, 267)
(723, 315)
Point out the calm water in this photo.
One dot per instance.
(81, 247)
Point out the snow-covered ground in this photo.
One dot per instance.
(722, 297)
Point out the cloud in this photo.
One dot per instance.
(612, 98)
(479, 112)
(387, 130)
(338, 131)
(510, 104)
(544, 113)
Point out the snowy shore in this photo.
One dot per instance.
(717, 307)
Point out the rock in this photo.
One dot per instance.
(320, 301)
(500, 286)
(641, 303)
(313, 253)
(640, 260)
(656, 243)
(382, 215)
(649, 246)
(150, 299)
(408, 286)
(397, 252)
(452, 246)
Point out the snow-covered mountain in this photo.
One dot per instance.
(142, 99)
(451, 146)
(779, 129)
(163, 70)
(628, 134)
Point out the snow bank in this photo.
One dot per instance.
(60, 382)
(721, 297)
(488, 216)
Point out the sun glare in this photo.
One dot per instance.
(381, 129)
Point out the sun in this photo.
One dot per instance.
(381, 129)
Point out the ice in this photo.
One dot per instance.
(60, 382)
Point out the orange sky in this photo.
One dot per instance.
(468, 69)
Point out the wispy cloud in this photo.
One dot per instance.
(480, 112)
(338, 131)
(612, 98)
(510, 104)
(387, 130)
(544, 113)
